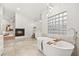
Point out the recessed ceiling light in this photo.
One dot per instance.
(18, 9)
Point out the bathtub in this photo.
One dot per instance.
(62, 48)
(40, 42)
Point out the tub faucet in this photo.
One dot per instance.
(75, 40)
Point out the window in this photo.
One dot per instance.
(57, 23)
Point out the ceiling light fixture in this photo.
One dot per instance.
(50, 5)
(18, 9)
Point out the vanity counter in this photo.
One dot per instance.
(1, 44)
(9, 37)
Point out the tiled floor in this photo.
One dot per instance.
(21, 47)
(26, 47)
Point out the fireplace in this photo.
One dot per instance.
(19, 32)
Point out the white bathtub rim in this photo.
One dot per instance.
(39, 38)
(54, 46)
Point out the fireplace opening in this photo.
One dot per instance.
(19, 32)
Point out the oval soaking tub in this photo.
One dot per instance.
(40, 42)
(61, 48)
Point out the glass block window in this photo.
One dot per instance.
(57, 23)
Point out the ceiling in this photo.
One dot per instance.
(30, 10)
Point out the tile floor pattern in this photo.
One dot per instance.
(26, 47)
